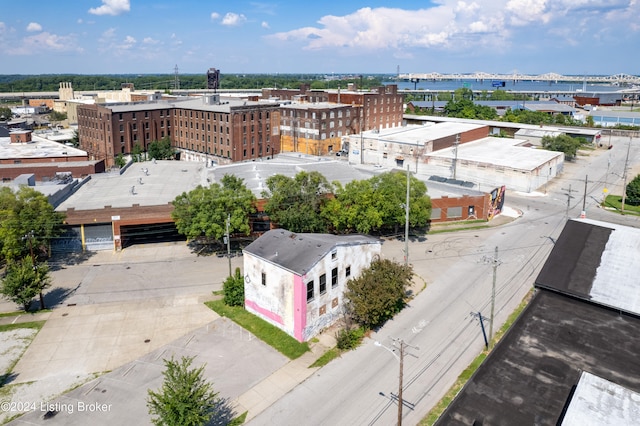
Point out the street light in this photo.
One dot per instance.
(400, 359)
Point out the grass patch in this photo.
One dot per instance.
(18, 313)
(37, 325)
(442, 405)
(237, 421)
(456, 229)
(264, 331)
(326, 358)
(615, 201)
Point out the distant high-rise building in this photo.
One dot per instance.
(213, 79)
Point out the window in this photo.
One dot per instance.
(334, 277)
(334, 255)
(347, 271)
(436, 213)
(309, 291)
(264, 279)
(323, 283)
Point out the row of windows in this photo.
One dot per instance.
(312, 125)
(145, 114)
(134, 126)
(323, 283)
(221, 117)
(332, 114)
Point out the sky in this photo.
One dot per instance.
(572, 37)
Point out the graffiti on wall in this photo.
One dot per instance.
(497, 201)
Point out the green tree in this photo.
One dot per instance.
(378, 293)
(378, 203)
(161, 150)
(633, 192)
(27, 222)
(296, 203)
(204, 211)
(23, 281)
(233, 289)
(57, 116)
(185, 398)
(561, 143)
(136, 153)
(5, 114)
(75, 139)
(120, 161)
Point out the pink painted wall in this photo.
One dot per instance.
(299, 307)
(253, 306)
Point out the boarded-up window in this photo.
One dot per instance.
(454, 212)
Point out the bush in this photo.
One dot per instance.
(349, 339)
(633, 192)
(233, 289)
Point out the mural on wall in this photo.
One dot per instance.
(497, 201)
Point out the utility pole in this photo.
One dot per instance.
(493, 295)
(229, 244)
(406, 221)
(455, 154)
(484, 333)
(583, 214)
(569, 197)
(624, 176)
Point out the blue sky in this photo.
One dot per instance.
(347, 36)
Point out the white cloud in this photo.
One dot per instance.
(3, 27)
(458, 25)
(34, 27)
(215, 16)
(45, 42)
(128, 42)
(79, 21)
(149, 40)
(527, 11)
(232, 19)
(265, 24)
(111, 7)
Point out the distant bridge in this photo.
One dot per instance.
(617, 79)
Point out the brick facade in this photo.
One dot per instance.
(465, 207)
(47, 171)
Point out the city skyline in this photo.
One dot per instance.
(571, 37)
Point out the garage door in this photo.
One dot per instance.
(148, 234)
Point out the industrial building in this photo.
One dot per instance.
(571, 356)
(208, 128)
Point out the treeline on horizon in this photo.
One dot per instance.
(166, 82)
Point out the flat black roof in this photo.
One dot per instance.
(530, 374)
(583, 317)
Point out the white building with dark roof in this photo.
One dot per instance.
(296, 281)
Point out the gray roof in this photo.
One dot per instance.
(599, 262)
(38, 148)
(164, 181)
(501, 152)
(602, 402)
(502, 124)
(255, 173)
(577, 322)
(298, 253)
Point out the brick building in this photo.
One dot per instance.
(225, 130)
(204, 129)
(106, 130)
(381, 108)
(317, 128)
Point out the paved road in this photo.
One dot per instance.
(360, 388)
